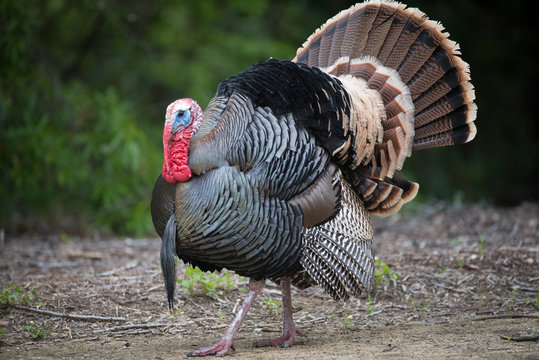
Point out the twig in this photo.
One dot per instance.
(374, 313)
(503, 316)
(70, 316)
(138, 332)
(155, 287)
(133, 326)
(528, 337)
(123, 268)
(86, 339)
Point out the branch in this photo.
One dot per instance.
(528, 337)
(503, 316)
(70, 316)
(133, 326)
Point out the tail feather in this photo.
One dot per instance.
(446, 105)
(460, 135)
(420, 51)
(384, 197)
(420, 78)
(458, 118)
(365, 18)
(406, 39)
(325, 44)
(423, 98)
(379, 31)
(338, 38)
(399, 20)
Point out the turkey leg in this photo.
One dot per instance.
(223, 346)
(289, 329)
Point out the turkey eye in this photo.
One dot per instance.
(180, 114)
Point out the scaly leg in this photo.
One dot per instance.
(289, 329)
(223, 346)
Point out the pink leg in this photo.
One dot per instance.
(289, 329)
(223, 346)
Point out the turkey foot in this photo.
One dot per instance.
(289, 329)
(223, 346)
(283, 341)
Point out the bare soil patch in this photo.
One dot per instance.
(458, 297)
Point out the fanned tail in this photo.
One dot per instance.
(424, 97)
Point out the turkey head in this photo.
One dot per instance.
(182, 119)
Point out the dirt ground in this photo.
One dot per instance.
(468, 289)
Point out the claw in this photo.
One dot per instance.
(221, 348)
(283, 341)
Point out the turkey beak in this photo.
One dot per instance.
(176, 128)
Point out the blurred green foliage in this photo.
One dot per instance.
(84, 85)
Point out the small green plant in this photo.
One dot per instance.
(460, 262)
(483, 300)
(456, 241)
(346, 319)
(271, 303)
(37, 332)
(511, 300)
(208, 282)
(73, 347)
(417, 306)
(481, 247)
(536, 300)
(384, 273)
(2, 337)
(13, 294)
(65, 238)
(222, 315)
(370, 308)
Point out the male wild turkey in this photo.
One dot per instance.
(278, 177)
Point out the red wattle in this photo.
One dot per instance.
(175, 167)
(183, 173)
